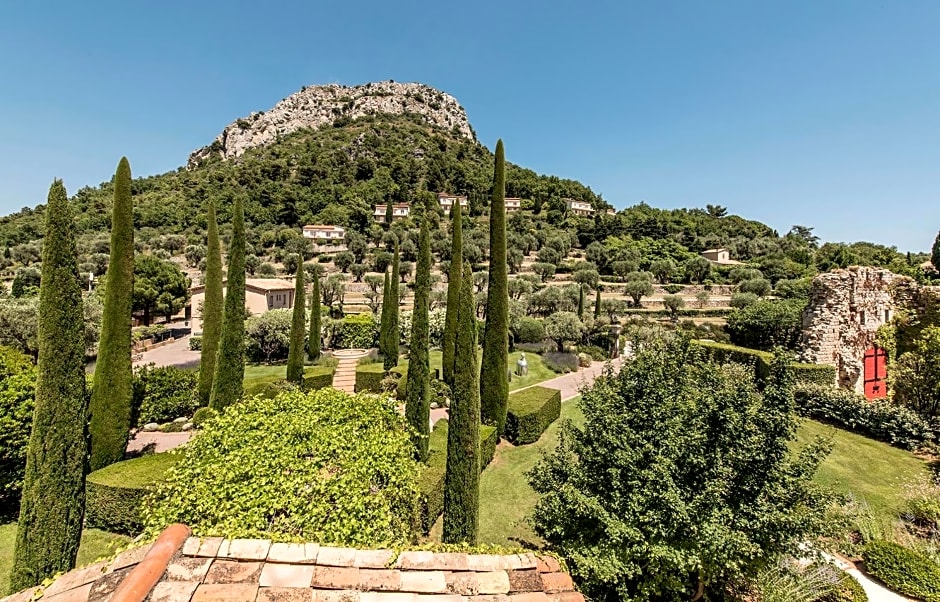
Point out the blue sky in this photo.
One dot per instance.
(824, 114)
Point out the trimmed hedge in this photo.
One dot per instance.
(878, 419)
(113, 495)
(531, 411)
(431, 481)
(369, 377)
(819, 374)
(318, 377)
(906, 571)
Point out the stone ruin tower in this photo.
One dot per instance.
(846, 308)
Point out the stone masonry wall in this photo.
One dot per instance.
(846, 308)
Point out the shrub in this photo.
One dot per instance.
(202, 416)
(195, 343)
(903, 570)
(17, 392)
(878, 419)
(531, 411)
(742, 300)
(317, 377)
(584, 360)
(358, 332)
(431, 481)
(370, 377)
(922, 504)
(596, 353)
(562, 363)
(114, 493)
(529, 330)
(673, 289)
(766, 324)
(818, 374)
(345, 473)
(267, 336)
(163, 393)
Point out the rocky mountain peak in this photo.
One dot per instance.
(314, 107)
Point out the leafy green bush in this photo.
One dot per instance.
(531, 411)
(358, 332)
(343, 465)
(922, 504)
(195, 343)
(113, 495)
(848, 589)
(267, 336)
(879, 419)
(766, 324)
(163, 393)
(562, 363)
(529, 330)
(17, 393)
(673, 289)
(431, 481)
(903, 570)
(202, 416)
(596, 353)
(815, 374)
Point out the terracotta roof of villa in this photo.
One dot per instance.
(181, 568)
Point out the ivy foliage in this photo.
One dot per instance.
(322, 466)
(681, 480)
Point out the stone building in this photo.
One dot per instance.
(846, 308)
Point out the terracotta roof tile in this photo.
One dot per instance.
(245, 549)
(184, 568)
(233, 571)
(285, 594)
(525, 580)
(556, 582)
(333, 577)
(287, 575)
(329, 556)
(379, 580)
(173, 591)
(225, 593)
(294, 553)
(494, 582)
(76, 594)
(373, 559)
(202, 546)
(423, 582)
(336, 596)
(75, 579)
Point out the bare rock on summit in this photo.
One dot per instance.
(318, 106)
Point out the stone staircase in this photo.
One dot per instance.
(344, 378)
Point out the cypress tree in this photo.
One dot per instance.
(52, 505)
(494, 379)
(597, 304)
(453, 295)
(295, 352)
(227, 385)
(462, 478)
(211, 308)
(313, 337)
(580, 302)
(385, 320)
(389, 214)
(110, 406)
(391, 351)
(417, 388)
(934, 253)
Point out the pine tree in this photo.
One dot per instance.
(313, 337)
(453, 295)
(295, 352)
(935, 253)
(494, 378)
(391, 350)
(211, 307)
(597, 304)
(418, 386)
(227, 385)
(462, 479)
(110, 406)
(52, 505)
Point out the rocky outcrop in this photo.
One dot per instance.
(318, 106)
(846, 308)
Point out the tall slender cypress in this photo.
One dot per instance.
(313, 337)
(227, 385)
(494, 378)
(211, 307)
(389, 214)
(462, 478)
(453, 295)
(384, 321)
(52, 505)
(597, 304)
(418, 386)
(391, 351)
(295, 352)
(110, 406)
(580, 301)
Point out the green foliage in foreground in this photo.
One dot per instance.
(52, 506)
(681, 480)
(109, 411)
(115, 493)
(904, 570)
(345, 470)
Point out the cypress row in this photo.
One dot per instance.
(110, 406)
(597, 304)
(211, 308)
(453, 295)
(391, 351)
(462, 479)
(494, 379)
(52, 505)
(295, 352)
(418, 385)
(313, 337)
(227, 385)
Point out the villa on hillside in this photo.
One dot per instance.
(261, 295)
(321, 232)
(719, 257)
(447, 201)
(611, 212)
(399, 212)
(513, 204)
(582, 208)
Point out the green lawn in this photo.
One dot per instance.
(538, 372)
(867, 469)
(95, 544)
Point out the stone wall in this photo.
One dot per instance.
(846, 308)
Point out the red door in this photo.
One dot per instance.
(876, 359)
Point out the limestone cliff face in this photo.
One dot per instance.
(318, 106)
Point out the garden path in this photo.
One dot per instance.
(344, 378)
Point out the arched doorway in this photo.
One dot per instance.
(876, 361)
